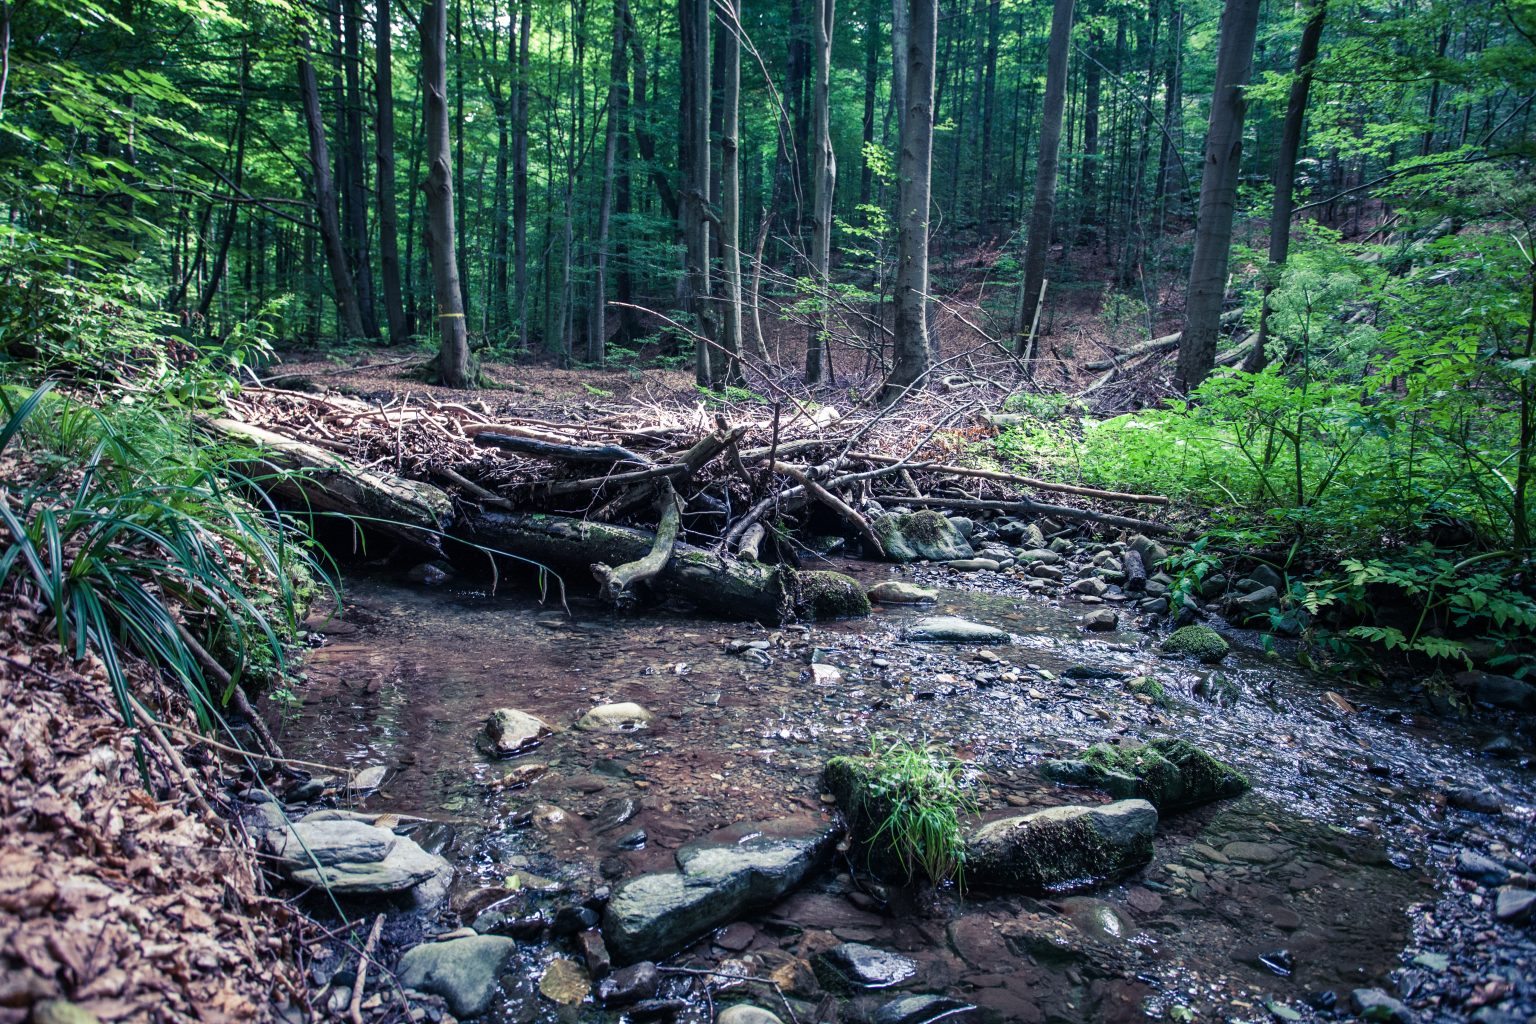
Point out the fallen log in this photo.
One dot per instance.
(1012, 478)
(719, 586)
(314, 479)
(1024, 506)
(1135, 572)
(845, 511)
(614, 583)
(552, 450)
(1164, 344)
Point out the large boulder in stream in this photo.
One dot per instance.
(652, 916)
(1170, 774)
(1061, 849)
(353, 859)
(921, 535)
(509, 732)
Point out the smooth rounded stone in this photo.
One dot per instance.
(465, 972)
(950, 629)
(1104, 620)
(1514, 904)
(652, 916)
(509, 732)
(625, 717)
(901, 592)
(1201, 642)
(565, 982)
(1498, 691)
(965, 524)
(921, 1010)
(1475, 799)
(629, 985)
(1039, 556)
(853, 965)
(919, 536)
(973, 565)
(1375, 1005)
(1473, 865)
(1090, 585)
(329, 842)
(370, 778)
(1254, 853)
(1171, 774)
(1062, 848)
(746, 1013)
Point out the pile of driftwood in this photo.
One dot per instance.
(680, 498)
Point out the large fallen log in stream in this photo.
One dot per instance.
(722, 587)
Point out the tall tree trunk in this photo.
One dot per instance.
(1092, 88)
(455, 366)
(1173, 105)
(901, 29)
(325, 200)
(520, 92)
(987, 207)
(911, 347)
(694, 203)
(618, 73)
(824, 179)
(871, 86)
(1047, 158)
(1218, 194)
(1285, 174)
(461, 248)
(237, 181)
(384, 141)
(356, 206)
(730, 188)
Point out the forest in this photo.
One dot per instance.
(764, 512)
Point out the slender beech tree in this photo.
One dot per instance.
(912, 355)
(818, 356)
(355, 205)
(618, 71)
(384, 143)
(1218, 194)
(729, 43)
(693, 207)
(1285, 173)
(1047, 159)
(455, 366)
(520, 87)
(324, 186)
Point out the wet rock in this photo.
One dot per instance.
(735, 937)
(565, 982)
(1258, 602)
(369, 779)
(974, 564)
(1151, 552)
(357, 859)
(1514, 904)
(465, 972)
(1473, 865)
(1062, 847)
(1471, 798)
(1090, 585)
(1254, 853)
(624, 717)
(509, 732)
(654, 915)
(629, 985)
(965, 525)
(901, 592)
(1040, 556)
(1375, 1005)
(657, 1009)
(1200, 642)
(570, 920)
(921, 535)
(855, 966)
(746, 1013)
(1498, 691)
(922, 1010)
(949, 629)
(1171, 774)
(1102, 621)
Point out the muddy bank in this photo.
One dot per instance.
(1335, 872)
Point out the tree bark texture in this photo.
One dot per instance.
(823, 182)
(325, 200)
(455, 367)
(1047, 160)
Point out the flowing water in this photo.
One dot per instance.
(1337, 877)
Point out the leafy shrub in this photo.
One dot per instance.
(922, 791)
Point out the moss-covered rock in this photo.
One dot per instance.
(866, 805)
(1171, 774)
(1062, 849)
(830, 595)
(1201, 642)
(921, 535)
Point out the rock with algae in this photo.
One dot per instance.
(1201, 642)
(1170, 774)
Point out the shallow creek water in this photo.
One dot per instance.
(1337, 878)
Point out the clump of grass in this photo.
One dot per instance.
(921, 794)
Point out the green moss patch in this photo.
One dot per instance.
(1201, 642)
(1171, 774)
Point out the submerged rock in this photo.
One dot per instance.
(949, 629)
(854, 966)
(1201, 642)
(509, 732)
(465, 972)
(922, 1010)
(625, 717)
(1171, 774)
(921, 535)
(830, 595)
(653, 916)
(1062, 848)
(901, 592)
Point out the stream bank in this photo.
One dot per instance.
(1336, 872)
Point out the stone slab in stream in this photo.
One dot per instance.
(356, 859)
(950, 629)
(653, 916)
(1061, 848)
(465, 972)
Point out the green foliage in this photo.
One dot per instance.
(923, 789)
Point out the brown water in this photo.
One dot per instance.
(1343, 804)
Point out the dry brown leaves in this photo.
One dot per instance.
(120, 900)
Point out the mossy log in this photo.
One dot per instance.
(314, 479)
(721, 587)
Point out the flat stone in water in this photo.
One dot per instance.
(746, 1013)
(1473, 865)
(973, 564)
(625, 717)
(1254, 853)
(921, 1010)
(464, 972)
(950, 629)
(856, 965)
(1514, 904)
(565, 982)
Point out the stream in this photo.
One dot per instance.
(1335, 872)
